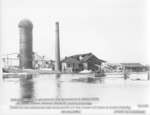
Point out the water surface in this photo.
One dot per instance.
(111, 90)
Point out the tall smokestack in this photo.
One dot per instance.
(25, 60)
(57, 49)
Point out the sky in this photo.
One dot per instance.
(113, 30)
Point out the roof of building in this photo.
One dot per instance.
(94, 58)
(83, 55)
(70, 60)
(25, 23)
(85, 58)
(132, 64)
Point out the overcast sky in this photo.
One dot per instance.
(113, 30)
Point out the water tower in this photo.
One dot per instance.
(25, 27)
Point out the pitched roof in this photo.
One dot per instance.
(85, 58)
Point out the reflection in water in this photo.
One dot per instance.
(90, 80)
(27, 89)
(76, 86)
(58, 86)
(101, 80)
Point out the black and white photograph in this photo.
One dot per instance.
(74, 57)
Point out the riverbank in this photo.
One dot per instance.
(28, 72)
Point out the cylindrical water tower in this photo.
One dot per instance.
(26, 58)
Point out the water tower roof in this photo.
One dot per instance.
(25, 23)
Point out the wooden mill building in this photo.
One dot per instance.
(77, 63)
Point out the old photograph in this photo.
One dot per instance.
(80, 57)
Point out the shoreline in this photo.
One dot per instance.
(46, 72)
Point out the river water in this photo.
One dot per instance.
(110, 90)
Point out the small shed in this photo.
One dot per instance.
(133, 67)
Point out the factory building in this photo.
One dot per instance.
(77, 63)
(133, 67)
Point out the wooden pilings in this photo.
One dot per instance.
(148, 75)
